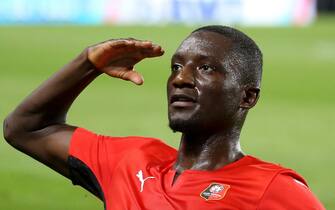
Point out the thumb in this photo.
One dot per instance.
(125, 74)
(134, 77)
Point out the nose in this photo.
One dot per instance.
(184, 78)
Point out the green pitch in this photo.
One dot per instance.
(293, 124)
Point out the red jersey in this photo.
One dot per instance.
(133, 173)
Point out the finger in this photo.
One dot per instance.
(143, 44)
(133, 45)
(138, 52)
(130, 42)
(125, 74)
(123, 46)
(155, 51)
(115, 44)
(134, 77)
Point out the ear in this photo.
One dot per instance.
(250, 97)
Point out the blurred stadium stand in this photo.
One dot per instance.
(146, 12)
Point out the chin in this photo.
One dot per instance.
(185, 125)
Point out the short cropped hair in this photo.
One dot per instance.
(244, 54)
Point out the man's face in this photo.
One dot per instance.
(203, 94)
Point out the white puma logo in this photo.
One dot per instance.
(140, 177)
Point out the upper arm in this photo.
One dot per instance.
(49, 146)
(285, 192)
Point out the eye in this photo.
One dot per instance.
(176, 67)
(206, 68)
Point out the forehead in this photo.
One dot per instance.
(204, 44)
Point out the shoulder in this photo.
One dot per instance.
(286, 190)
(256, 168)
(83, 138)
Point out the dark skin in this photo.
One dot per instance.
(207, 103)
(211, 99)
(38, 126)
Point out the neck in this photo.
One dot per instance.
(208, 152)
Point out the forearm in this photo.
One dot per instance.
(49, 103)
(38, 126)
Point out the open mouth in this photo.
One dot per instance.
(182, 100)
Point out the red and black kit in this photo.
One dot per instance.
(136, 173)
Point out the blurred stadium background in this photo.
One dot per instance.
(293, 124)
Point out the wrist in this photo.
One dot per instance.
(86, 64)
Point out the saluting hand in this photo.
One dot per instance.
(118, 57)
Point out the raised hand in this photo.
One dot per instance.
(118, 57)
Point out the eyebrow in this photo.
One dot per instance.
(176, 56)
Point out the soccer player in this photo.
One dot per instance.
(215, 80)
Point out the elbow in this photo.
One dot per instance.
(9, 131)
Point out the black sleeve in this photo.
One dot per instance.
(81, 175)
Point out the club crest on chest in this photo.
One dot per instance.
(215, 191)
